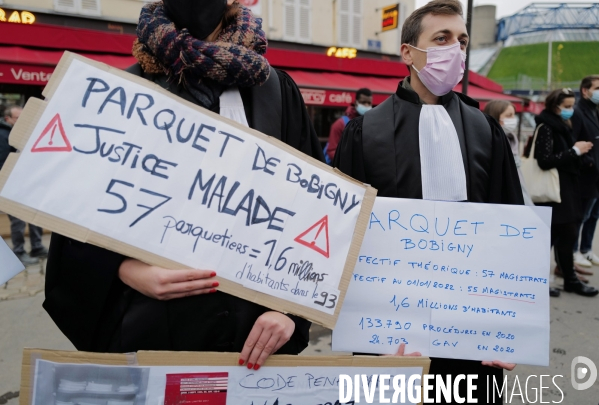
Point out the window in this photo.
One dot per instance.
(297, 24)
(87, 7)
(350, 23)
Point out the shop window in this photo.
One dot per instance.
(297, 20)
(87, 7)
(350, 23)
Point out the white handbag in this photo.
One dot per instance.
(542, 185)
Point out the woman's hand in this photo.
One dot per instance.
(500, 364)
(163, 284)
(401, 352)
(270, 332)
(584, 147)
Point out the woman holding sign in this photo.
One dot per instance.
(208, 52)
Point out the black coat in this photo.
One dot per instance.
(5, 148)
(553, 149)
(585, 127)
(99, 313)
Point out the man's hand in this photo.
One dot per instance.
(500, 364)
(270, 332)
(163, 284)
(401, 352)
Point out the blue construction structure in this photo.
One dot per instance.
(579, 20)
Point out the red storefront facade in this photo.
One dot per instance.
(29, 54)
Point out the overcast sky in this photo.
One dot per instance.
(505, 7)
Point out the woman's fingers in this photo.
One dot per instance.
(249, 344)
(189, 293)
(270, 347)
(270, 332)
(187, 286)
(263, 343)
(181, 276)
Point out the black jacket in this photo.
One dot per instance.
(553, 149)
(5, 148)
(585, 127)
(97, 312)
(381, 148)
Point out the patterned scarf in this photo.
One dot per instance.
(205, 69)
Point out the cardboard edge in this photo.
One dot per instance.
(155, 358)
(58, 74)
(354, 251)
(19, 135)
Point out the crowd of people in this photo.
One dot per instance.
(566, 141)
(105, 302)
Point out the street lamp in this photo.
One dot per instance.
(469, 29)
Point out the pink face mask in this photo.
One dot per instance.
(444, 68)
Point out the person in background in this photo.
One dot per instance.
(360, 107)
(17, 227)
(210, 53)
(585, 126)
(555, 148)
(505, 113)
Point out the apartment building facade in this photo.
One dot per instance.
(340, 23)
(330, 48)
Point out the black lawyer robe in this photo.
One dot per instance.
(99, 313)
(382, 149)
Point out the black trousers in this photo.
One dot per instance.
(563, 237)
(17, 234)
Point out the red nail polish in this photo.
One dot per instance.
(213, 274)
(250, 365)
(215, 284)
(213, 290)
(241, 362)
(257, 367)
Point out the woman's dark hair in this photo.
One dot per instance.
(556, 97)
(231, 13)
(497, 107)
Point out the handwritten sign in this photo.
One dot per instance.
(117, 161)
(11, 266)
(160, 378)
(455, 280)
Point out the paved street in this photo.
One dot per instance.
(574, 329)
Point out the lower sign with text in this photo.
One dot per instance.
(454, 280)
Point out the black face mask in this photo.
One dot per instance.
(200, 17)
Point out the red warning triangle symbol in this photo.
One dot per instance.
(53, 138)
(317, 237)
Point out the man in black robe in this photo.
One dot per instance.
(104, 302)
(395, 147)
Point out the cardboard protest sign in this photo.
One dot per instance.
(200, 378)
(117, 161)
(11, 265)
(454, 280)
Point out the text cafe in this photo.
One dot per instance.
(31, 45)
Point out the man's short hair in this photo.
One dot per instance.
(364, 91)
(587, 82)
(9, 109)
(412, 27)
